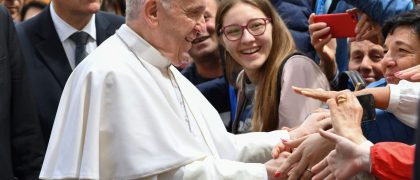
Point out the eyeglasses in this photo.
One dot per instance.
(256, 27)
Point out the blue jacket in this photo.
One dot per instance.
(381, 10)
(295, 13)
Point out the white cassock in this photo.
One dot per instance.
(126, 113)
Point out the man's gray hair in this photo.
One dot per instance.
(133, 7)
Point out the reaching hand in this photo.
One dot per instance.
(273, 164)
(312, 150)
(315, 121)
(324, 45)
(319, 94)
(346, 116)
(368, 29)
(347, 160)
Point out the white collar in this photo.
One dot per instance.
(65, 30)
(142, 49)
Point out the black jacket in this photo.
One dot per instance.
(47, 62)
(21, 144)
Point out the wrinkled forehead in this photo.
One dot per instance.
(365, 45)
(187, 3)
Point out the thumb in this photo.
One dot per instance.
(330, 136)
(295, 143)
(325, 123)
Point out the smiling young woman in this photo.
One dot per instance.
(257, 39)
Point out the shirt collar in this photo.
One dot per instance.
(65, 30)
(142, 49)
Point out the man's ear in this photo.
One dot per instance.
(151, 12)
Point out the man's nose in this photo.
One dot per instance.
(388, 61)
(201, 25)
(366, 64)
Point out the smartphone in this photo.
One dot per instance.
(342, 24)
(368, 104)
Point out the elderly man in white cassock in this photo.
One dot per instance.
(127, 113)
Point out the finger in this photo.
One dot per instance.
(321, 33)
(352, 11)
(323, 42)
(322, 175)
(293, 158)
(330, 177)
(320, 166)
(369, 35)
(311, 18)
(415, 78)
(330, 136)
(279, 148)
(407, 73)
(306, 175)
(364, 29)
(361, 23)
(275, 152)
(325, 123)
(295, 143)
(321, 95)
(299, 170)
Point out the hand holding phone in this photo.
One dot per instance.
(342, 24)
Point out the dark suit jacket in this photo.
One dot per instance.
(21, 144)
(47, 62)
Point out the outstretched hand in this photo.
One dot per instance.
(324, 45)
(318, 94)
(347, 160)
(308, 153)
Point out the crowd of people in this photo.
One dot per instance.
(208, 89)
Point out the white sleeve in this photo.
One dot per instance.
(403, 101)
(211, 168)
(256, 147)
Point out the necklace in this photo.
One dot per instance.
(180, 97)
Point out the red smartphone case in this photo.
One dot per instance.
(342, 24)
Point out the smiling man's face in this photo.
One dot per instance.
(207, 43)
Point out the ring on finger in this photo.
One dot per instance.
(341, 99)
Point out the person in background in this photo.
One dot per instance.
(364, 56)
(295, 14)
(255, 37)
(31, 9)
(14, 7)
(116, 7)
(206, 71)
(54, 42)
(378, 12)
(21, 143)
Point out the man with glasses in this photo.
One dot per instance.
(127, 113)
